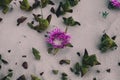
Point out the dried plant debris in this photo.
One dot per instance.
(24, 5)
(43, 24)
(36, 4)
(55, 72)
(8, 76)
(108, 70)
(1, 19)
(4, 4)
(25, 65)
(107, 43)
(64, 76)
(41, 73)
(36, 54)
(22, 77)
(98, 71)
(44, 3)
(94, 78)
(64, 61)
(118, 63)
(2, 60)
(70, 21)
(21, 20)
(87, 62)
(33, 77)
(78, 53)
(114, 37)
(64, 7)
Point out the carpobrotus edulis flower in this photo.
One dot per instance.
(114, 4)
(58, 39)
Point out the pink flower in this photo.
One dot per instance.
(58, 38)
(115, 3)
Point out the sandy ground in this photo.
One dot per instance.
(89, 14)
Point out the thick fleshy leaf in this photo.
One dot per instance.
(70, 21)
(83, 70)
(107, 43)
(64, 61)
(43, 24)
(4, 4)
(44, 3)
(73, 2)
(77, 69)
(36, 54)
(69, 45)
(24, 5)
(89, 60)
(33, 77)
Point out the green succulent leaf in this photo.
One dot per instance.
(43, 24)
(36, 54)
(63, 8)
(8, 76)
(77, 69)
(89, 60)
(66, 6)
(70, 21)
(69, 45)
(33, 77)
(73, 2)
(107, 43)
(59, 10)
(4, 5)
(44, 3)
(24, 5)
(83, 70)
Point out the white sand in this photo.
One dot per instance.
(89, 14)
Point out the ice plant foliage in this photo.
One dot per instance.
(58, 39)
(107, 43)
(88, 61)
(4, 4)
(114, 4)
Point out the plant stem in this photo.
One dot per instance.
(55, 51)
(41, 9)
(66, 29)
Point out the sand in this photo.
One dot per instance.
(20, 40)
